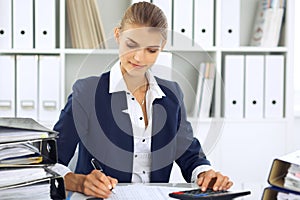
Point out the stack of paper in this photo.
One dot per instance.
(21, 176)
(27, 159)
(10, 135)
(19, 154)
(292, 179)
(23, 181)
(287, 196)
(85, 24)
(41, 192)
(284, 178)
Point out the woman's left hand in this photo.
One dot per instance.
(213, 180)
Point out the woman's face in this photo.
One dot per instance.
(139, 47)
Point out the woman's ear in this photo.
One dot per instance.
(117, 34)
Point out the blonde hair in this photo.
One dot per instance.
(146, 14)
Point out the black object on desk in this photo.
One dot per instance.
(208, 194)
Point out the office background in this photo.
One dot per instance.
(241, 143)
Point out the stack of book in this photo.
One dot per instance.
(284, 178)
(27, 153)
(268, 23)
(204, 92)
(85, 24)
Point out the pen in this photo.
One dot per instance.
(96, 165)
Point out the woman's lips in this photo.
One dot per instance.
(136, 65)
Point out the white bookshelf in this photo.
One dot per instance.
(245, 144)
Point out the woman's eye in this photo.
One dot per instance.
(152, 50)
(131, 45)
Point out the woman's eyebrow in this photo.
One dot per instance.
(131, 40)
(151, 46)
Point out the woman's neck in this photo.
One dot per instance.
(135, 84)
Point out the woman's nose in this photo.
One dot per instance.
(139, 54)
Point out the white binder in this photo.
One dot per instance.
(254, 86)
(204, 23)
(23, 24)
(27, 79)
(163, 66)
(230, 23)
(234, 86)
(7, 86)
(166, 7)
(183, 24)
(49, 88)
(274, 86)
(198, 93)
(45, 28)
(6, 24)
(207, 90)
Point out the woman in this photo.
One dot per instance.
(132, 123)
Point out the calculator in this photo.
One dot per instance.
(208, 194)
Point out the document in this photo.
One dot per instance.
(138, 192)
(10, 135)
(200, 83)
(37, 192)
(207, 91)
(11, 153)
(287, 196)
(292, 179)
(23, 123)
(21, 176)
(20, 129)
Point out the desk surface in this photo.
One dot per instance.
(163, 189)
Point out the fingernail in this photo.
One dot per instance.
(203, 188)
(109, 187)
(215, 188)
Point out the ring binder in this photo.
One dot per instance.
(20, 173)
(51, 178)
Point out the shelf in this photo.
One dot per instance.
(255, 49)
(195, 49)
(224, 120)
(31, 51)
(91, 51)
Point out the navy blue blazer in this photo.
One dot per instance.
(97, 121)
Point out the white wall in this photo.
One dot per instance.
(297, 132)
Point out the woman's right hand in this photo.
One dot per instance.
(95, 184)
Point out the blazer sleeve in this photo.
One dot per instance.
(67, 138)
(193, 155)
(73, 120)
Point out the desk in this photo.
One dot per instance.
(166, 189)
